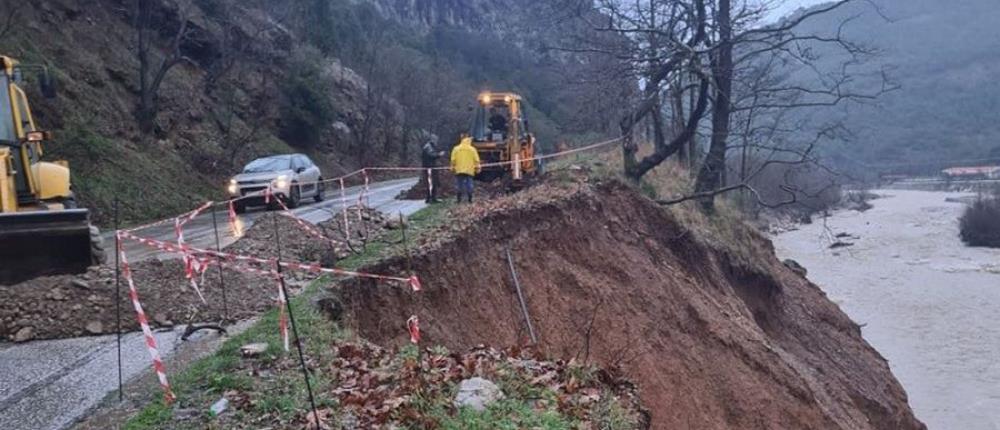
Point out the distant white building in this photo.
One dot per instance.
(978, 172)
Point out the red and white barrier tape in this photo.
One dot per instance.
(267, 191)
(234, 222)
(305, 225)
(365, 190)
(282, 317)
(430, 183)
(192, 268)
(154, 353)
(413, 326)
(413, 281)
(347, 223)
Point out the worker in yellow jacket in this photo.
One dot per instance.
(465, 165)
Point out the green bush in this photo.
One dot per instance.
(307, 108)
(980, 223)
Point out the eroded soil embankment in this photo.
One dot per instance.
(611, 277)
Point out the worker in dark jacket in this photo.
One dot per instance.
(429, 156)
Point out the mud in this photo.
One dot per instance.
(70, 306)
(447, 188)
(611, 278)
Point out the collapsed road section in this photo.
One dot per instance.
(720, 333)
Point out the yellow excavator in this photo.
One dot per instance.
(42, 231)
(500, 133)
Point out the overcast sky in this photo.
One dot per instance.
(790, 5)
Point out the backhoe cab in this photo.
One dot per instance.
(501, 135)
(42, 231)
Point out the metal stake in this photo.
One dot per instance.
(222, 278)
(291, 319)
(406, 244)
(520, 297)
(118, 303)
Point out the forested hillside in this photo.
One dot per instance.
(351, 83)
(943, 56)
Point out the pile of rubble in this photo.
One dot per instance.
(326, 242)
(81, 305)
(446, 188)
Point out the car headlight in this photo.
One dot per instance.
(232, 188)
(281, 182)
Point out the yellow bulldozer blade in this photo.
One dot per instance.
(39, 243)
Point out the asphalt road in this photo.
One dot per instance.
(50, 384)
(200, 232)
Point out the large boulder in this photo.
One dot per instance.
(477, 393)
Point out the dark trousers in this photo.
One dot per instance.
(432, 185)
(464, 185)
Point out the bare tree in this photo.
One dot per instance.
(150, 76)
(746, 78)
(713, 169)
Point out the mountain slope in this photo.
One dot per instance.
(352, 83)
(943, 55)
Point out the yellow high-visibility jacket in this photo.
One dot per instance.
(465, 158)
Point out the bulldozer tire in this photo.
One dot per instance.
(98, 255)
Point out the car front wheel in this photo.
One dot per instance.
(320, 189)
(294, 196)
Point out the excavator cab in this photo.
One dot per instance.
(501, 134)
(42, 231)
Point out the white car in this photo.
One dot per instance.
(290, 177)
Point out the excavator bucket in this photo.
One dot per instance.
(39, 243)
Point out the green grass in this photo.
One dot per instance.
(506, 414)
(152, 416)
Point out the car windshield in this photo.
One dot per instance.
(272, 164)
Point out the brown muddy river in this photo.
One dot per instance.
(930, 305)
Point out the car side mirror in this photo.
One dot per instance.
(300, 169)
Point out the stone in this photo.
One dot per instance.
(477, 393)
(94, 327)
(162, 320)
(329, 306)
(80, 283)
(57, 295)
(395, 223)
(795, 267)
(253, 349)
(24, 334)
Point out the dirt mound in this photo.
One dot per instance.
(612, 278)
(79, 305)
(299, 245)
(446, 187)
(68, 306)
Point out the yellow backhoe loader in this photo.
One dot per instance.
(500, 133)
(42, 232)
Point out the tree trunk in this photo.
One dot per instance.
(710, 176)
